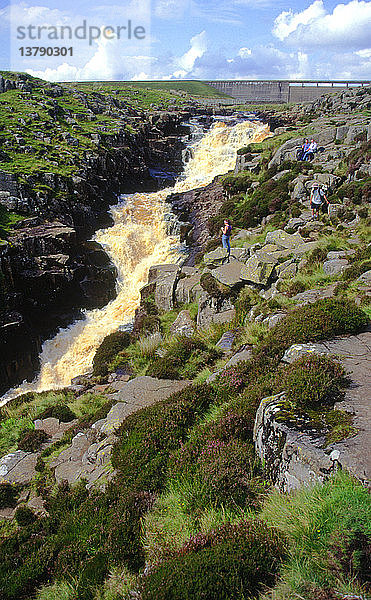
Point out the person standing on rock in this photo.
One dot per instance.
(317, 198)
(226, 234)
(312, 149)
(304, 149)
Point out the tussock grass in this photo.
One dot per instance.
(62, 590)
(118, 585)
(254, 333)
(148, 345)
(321, 524)
(19, 414)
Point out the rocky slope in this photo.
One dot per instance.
(65, 155)
(228, 361)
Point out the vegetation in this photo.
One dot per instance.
(192, 87)
(313, 380)
(232, 561)
(108, 349)
(31, 440)
(328, 532)
(189, 513)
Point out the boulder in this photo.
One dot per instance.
(341, 132)
(289, 271)
(298, 350)
(289, 456)
(365, 278)
(272, 320)
(329, 180)
(188, 288)
(226, 341)
(243, 234)
(284, 240)
(333, 254)
(211, 311)
(310, 296)
(257, 270)
(287, 150)
(18, 467)
(294, 223)
(217, 257)
(299, 191)
(326, 136)
(304, 248)
(353, 132)
(335, 266)
(229, 274)
(183, 324)
(161, 282)
(282, 266)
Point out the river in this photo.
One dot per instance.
(136, 241)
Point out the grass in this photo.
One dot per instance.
(7, 220)
(192, 88)
(253, 333)
(320, 524)
(168, 318)
(20, 414)
(307, 281)
(272, 143)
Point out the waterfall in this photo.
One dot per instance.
(135, 242)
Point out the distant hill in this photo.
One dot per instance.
(193, 88)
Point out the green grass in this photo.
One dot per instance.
(320, 524)
(7, 220)
(20, 414)
(272, 143)
(191, 87)
(307, 281)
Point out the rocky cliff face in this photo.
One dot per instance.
(48, 271)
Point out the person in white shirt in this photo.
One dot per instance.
(311, 149)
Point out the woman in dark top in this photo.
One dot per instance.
(226, 234)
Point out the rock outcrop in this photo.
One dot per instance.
(294, 458)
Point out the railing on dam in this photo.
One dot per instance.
(282, 91)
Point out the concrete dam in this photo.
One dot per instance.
(281, 92)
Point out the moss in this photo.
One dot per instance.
(108, 349)
(58, 411)
(24, 516)
(31, 440)
(213, 287)
(340, 426)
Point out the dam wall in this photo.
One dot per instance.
(282, 92)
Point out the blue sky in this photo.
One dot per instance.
(193, 39)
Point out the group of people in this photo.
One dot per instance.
(317, 199)
(308, 148)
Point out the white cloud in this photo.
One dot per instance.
(109, 62)
(348, 26)
(171, 9)
(288, 21)
(197, 49)
(244, 52)
(366, 53)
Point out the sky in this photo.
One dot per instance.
(188, 39)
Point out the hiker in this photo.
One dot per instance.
(304, 149)
(317, 198)
(226, 231)
(312, 149)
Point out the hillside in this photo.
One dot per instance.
(183, 88)
(217, 451)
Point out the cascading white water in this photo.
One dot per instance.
(136, 241)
